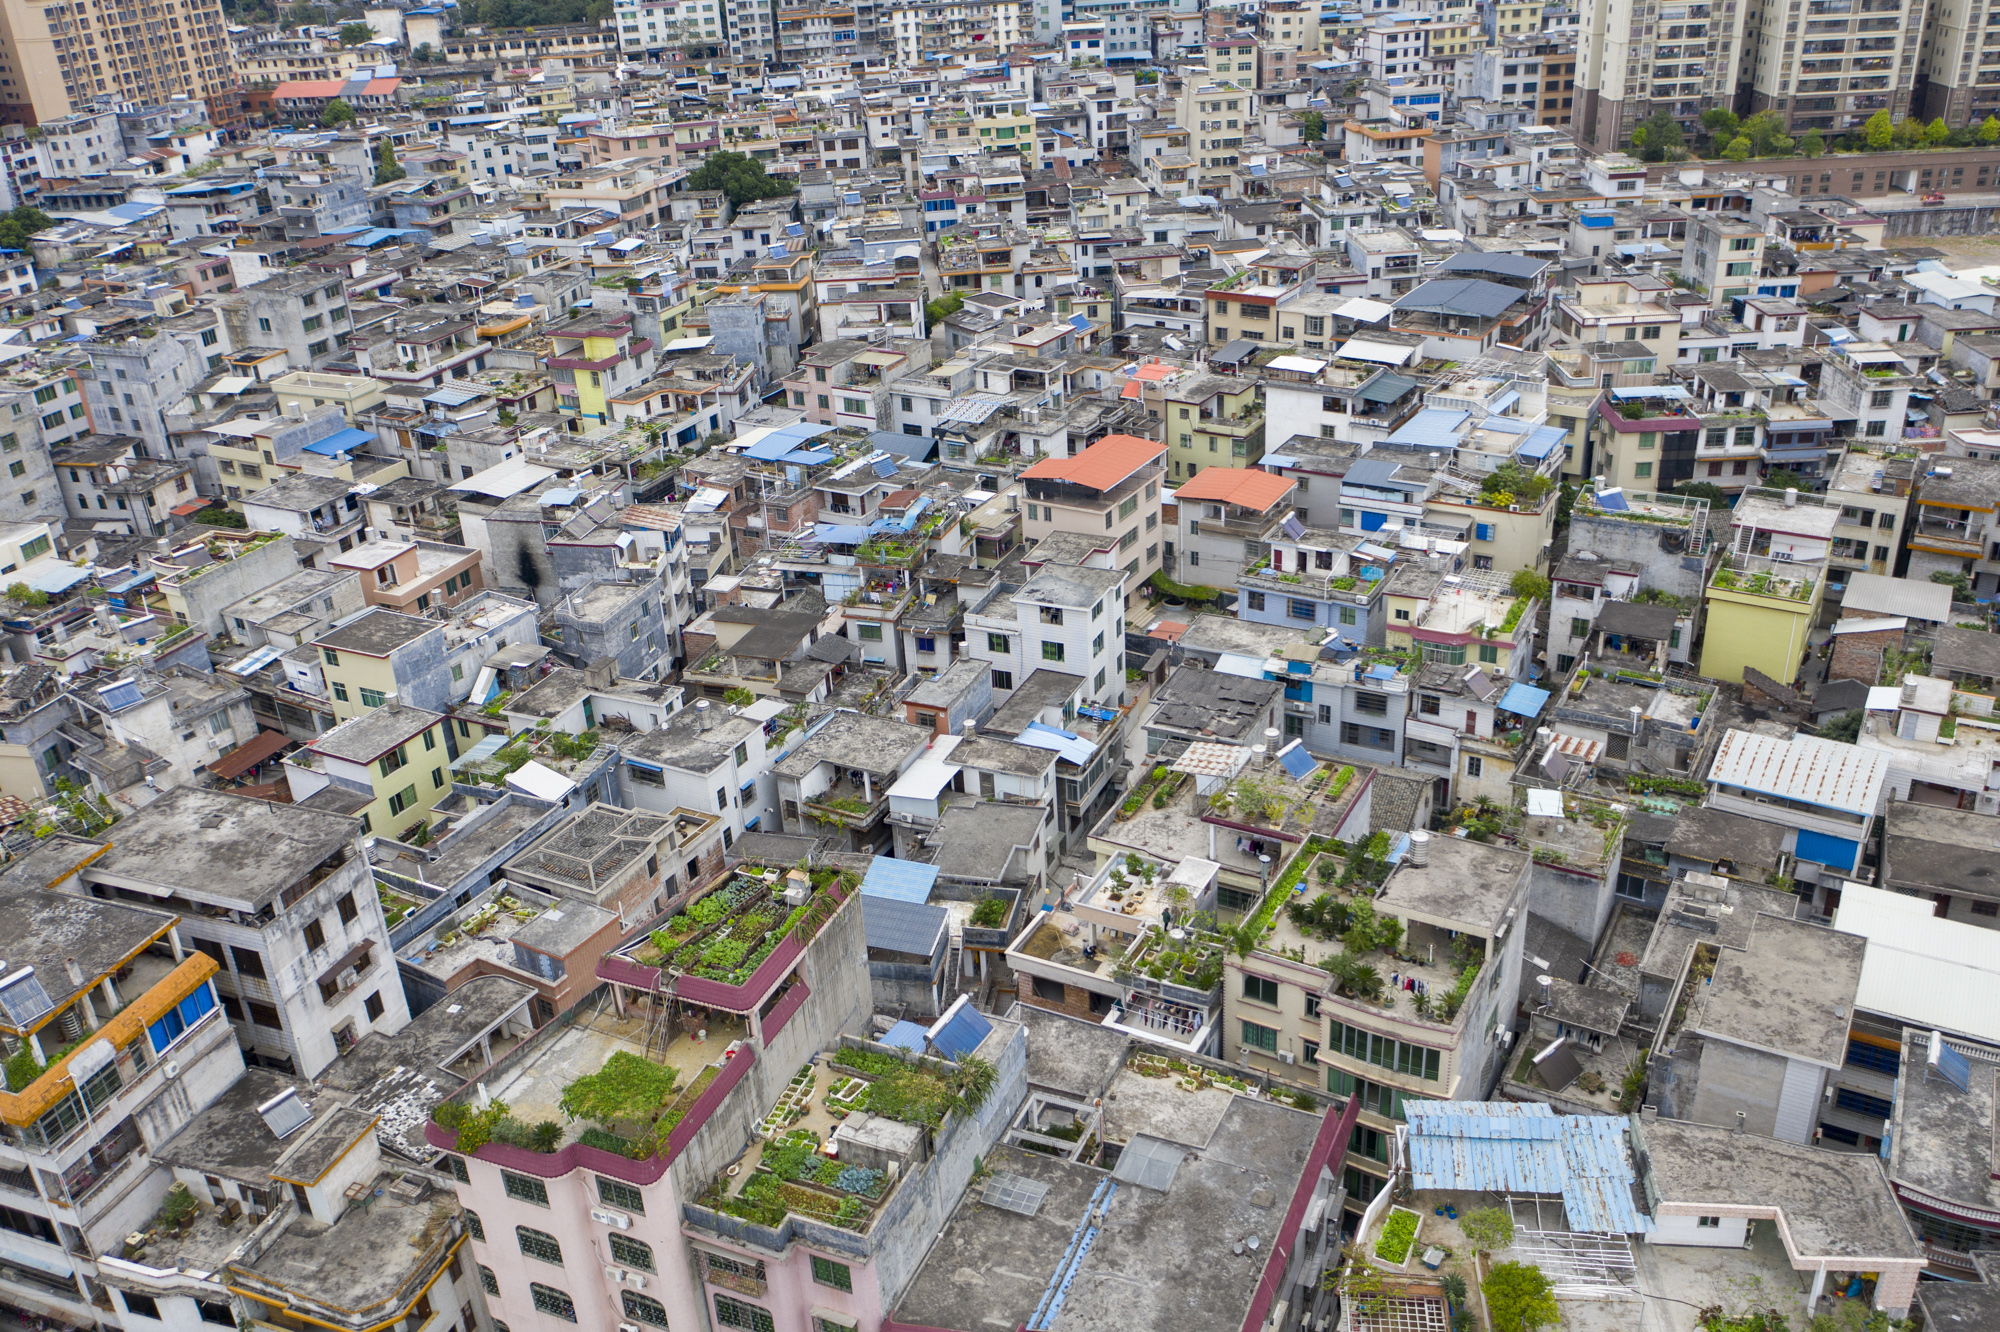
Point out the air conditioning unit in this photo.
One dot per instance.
(628, 1327)
(615, 1275)
(637, 1279)
(609, 1218)
(1287, 1057)
(347, 979)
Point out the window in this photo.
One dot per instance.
(869, 633)
(553, 1302)
(643, 1308)
(1003, 679)
(1644, 469)
(143, 1305)
(1861, 1103)
(1416, 1061)
(998, 643)
(617, 1193)
(827, 1272)
(1708, 1223)
(1052, 652)
(487, 1281)
(372, 1005)
(525, 1188)
(1260, 1038)
(1261, 990)
(748, 1317)
(1300, 610)
(1489, 652)
(346, 908)
(1474, 767)
(315, 935)
(632, 1253)
(539, 1244)
(1372, 704)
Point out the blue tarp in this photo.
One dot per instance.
(341, 441)
(1524, 700)
(1066, 744)
(904, 880)
(840, 534)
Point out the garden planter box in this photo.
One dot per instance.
(1409, 1255)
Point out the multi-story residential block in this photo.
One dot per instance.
(1226, 515)
(281, 898)
(104, 478)
(63, 63)
(388, 767)
(1839, 69)
(1951, 529)
(410, 577)
(1872, 492)
(1764, 597)
(1109, 492)
(108, 1018)
(1065, 618)
(1211, 420)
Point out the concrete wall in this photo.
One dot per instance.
(229, 581)
(1735, 1078)
(1676, 1229)
(1657, 551)
(1578, 902)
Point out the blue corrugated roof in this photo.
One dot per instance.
(53, 576)
(1374, 472)
(904, 880)
(959, 1032)
(1525, 1147)
(1072, 747)
(1433, 427)
(1524, 700)
(905, 1035)
(900, 926)
(341, 441)
(1542, 441)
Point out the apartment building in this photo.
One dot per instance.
(388, 768)
(1845, 62)
(60, 62)
(1632, 61)
(281, 898)
(1110, 492)
(1764, 597)
(1063, 618)
(113, 1010)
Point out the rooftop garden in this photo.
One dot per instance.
(1512, 486)
(631, 1103)
(1762, 583)
(1189, 955)
(726, 935)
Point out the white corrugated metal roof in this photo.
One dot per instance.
(1920, 969)
(1805, 767)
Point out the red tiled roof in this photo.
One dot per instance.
(1249, 487)
(1102, 465)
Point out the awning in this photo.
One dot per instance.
(340, 442)
(347, 959)
(248, 755)
(1524, 700)
(1383, 353)
(53, 576)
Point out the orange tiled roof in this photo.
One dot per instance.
(1102, 465)
(1249, 487)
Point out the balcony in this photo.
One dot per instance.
(848, 805)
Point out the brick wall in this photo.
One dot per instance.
(1859, 656)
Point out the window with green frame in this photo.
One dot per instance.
(746, 1317)
(631, 1253)
(1415, 1061)
(1375, 1097)
(643, 1308)
(524, 1188)
(617, 1193)
(1489, 652)
(827, 1272)
(1257, 1037)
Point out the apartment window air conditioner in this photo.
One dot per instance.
(615, 1275)
(348, 979)
(1287, 1057)
(628, 1327)
(609, 1218)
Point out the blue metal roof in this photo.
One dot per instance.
(341, 441)
(915, 447)
(1374, 472)
(905, 1035)
(54, 576)
(909, 519)
(1524, 700)
(961, 1030)
(900, 926)
(451, 397)
(1542, 441)
(1433, 427)
(1526, 1148)
(903, 880)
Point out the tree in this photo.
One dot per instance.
(1766, 132)
(1989, 130)
(1879, 131)
(353, 34)
(1530, 583)
(423, 55)
(19, 226)
(1843, 728)
(1714, 494)
(944, 307)
(1489, 1229)
(1813, 144)
(1738, 149)
(1720, 122)
(1312, 127)
(1909, 132)
(387, 168)
(1784, 478)
(1659, 137)
(1518, 1298)
(337, 113)
(1936, 132)
(738, 176)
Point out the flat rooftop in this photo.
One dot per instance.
(375, 633)
(1465, 885)
(218, 847)
(1835, 1204)
(1234, 1182)
(1789, 990)
(364, 1258)
(1941, 1140)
